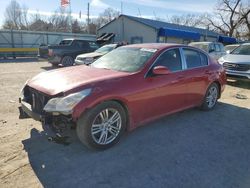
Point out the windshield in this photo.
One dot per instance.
(93, 45)
(105, 49)
(201, 46)
(125, 59)
(65, 42)
(230, 48)
(242, 50)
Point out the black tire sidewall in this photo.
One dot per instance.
(84, 125)
(64, 63)
(204, 104)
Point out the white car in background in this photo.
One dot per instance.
(89, 58)
(214, 49)
(237, 63)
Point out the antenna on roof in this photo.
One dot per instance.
(139, 12)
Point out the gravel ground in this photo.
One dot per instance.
(188, 149)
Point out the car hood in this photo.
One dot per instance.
(232, 58)
(66, 79)
(93, 54)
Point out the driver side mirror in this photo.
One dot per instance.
(161, 70)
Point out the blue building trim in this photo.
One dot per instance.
(167, 32)
(227, 40)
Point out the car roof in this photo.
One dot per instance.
(248, 43)
(111, 45)
(205, 42)
(158, 46)
(76, 39)
(233, 45)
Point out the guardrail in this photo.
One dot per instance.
(17, 52)
(18, 49)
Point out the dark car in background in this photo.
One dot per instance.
(89, 58)
(68, 49)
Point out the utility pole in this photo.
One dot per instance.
(121, 7)
(88, 19)
(71, 25)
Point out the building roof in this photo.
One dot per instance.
(156, 24)
(160, 24)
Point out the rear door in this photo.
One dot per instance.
(196, 73)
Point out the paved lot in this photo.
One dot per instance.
(188, 149)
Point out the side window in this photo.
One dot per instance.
(222, 49)
(204, 59)
(81, 44)
(193, 58)
(211, 48)
(170, 59)
(217, 48)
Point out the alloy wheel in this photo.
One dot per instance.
(106, 126)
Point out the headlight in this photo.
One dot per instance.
(88, 60)
(22, 90)
(221, 60)
(65, 105)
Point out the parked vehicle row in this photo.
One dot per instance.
(66, 52)
(215, 49)
(236, 58)
(89, 58)
(124, 89)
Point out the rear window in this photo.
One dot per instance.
(194, 58)
(65, 42)
(200, 46)
(93, 45)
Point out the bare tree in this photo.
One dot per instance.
(61, 21)
(76, 27)
(228, 17)
(191, 20)
(13, 16)
(108, 15)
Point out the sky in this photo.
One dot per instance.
(142, 8)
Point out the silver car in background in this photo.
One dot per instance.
(237, 63)
(215, 49)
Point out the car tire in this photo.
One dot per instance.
(102, 126)
(67, 61)
(211, 97)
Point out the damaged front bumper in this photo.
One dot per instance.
(56, 121)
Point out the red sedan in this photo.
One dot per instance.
(124, 89)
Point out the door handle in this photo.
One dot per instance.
(180, 77)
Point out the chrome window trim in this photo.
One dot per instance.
(171, 48)
(197, 50)
(183, 59)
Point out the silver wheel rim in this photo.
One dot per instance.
(106, 126)
(212, 97)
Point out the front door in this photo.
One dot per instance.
(163, 94)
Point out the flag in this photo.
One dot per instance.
(65, 3)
